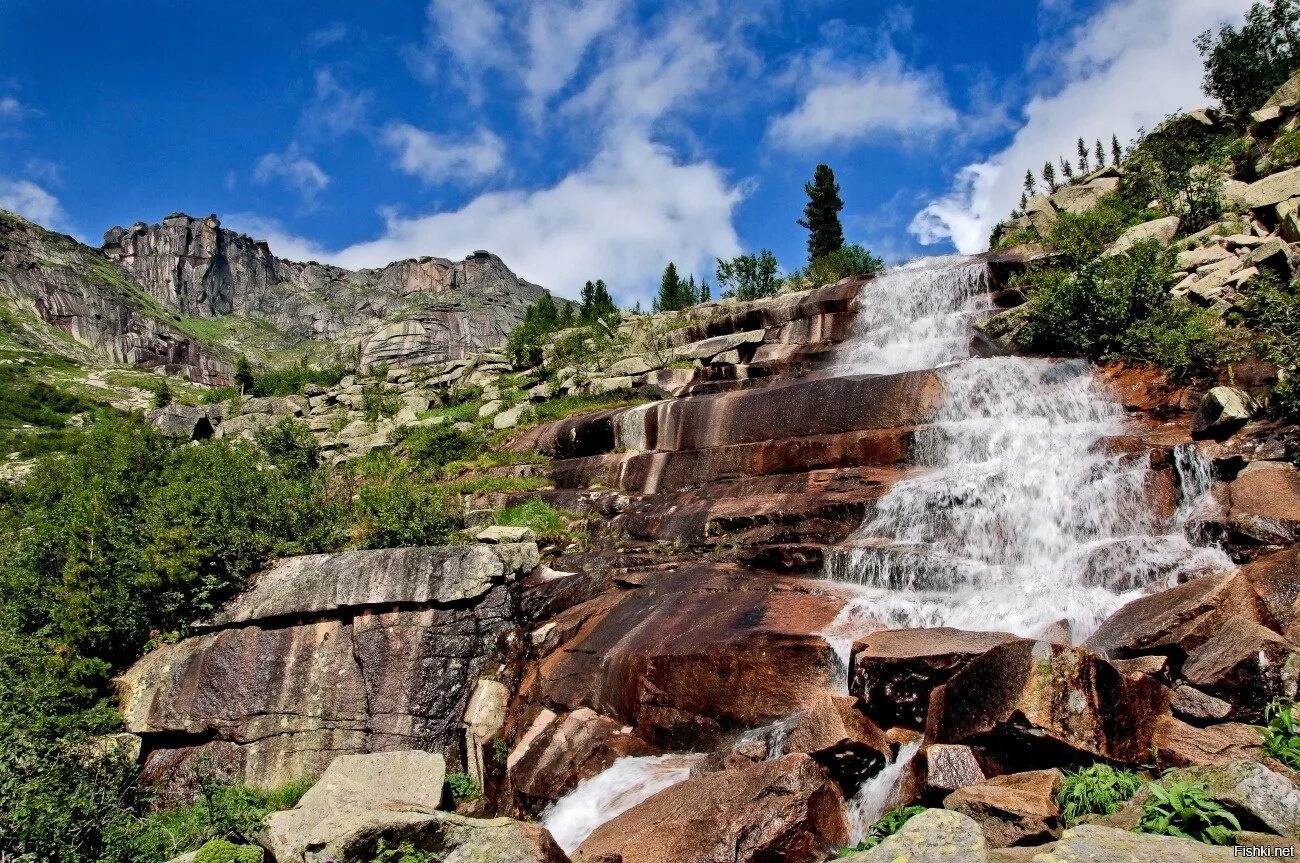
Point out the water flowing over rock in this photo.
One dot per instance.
(1023, 518)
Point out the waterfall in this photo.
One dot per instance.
(610, 793)
(1020, 517)
(875, 796)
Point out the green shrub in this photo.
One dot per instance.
(884, 827)
(1282, 733)
(1082, 237)
(378, 399)
(437, 446)
(404, 853)
(1243, 66)
(463, 787)
(1095, 790)
(221, 851)
(291, 446)
(405, 509)
(1273, 314)
(544, 520)
(749, 277)
(1285, 151)
(1186, 810)
(851, 260)
(1182, 165)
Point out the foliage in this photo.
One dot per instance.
(675, 293)
(244, 374)
(884, 827)
(1082, 237)
(378, 399)
(749, 277)
(821, 215)
(1243, 66)
(437, 446)
(1181, 164)
(221, 851)
(1095, 790)
(1273, 314)
(286, 381)
(404, 853)
(545, 520)
(1186, 810)
(571, 405)
(1282, 734)
(1119, 306)
(524, 344)
(463, 787)
(398, 508)
(596, 302)
(1285, 151)
(851, 260)
(162, 394)
(34, 415)
(291, 446)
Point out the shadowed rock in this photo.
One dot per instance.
(1246, 665)
(1018, 809)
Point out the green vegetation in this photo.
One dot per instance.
(1186, 810)
(1095, 790)
(1282, 733)
(34, 414)
(571, 405)
(884, 827)
(463, 787)
(286, 381)
(221, 851)
(1243, 66)
(821, 215)
(676, 293)
(404, 853)
(749, 277)
(1273, 317)
(545, 520)
(851, 260)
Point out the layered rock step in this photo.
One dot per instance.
(361, 651)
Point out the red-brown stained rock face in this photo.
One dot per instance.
(894, 671)
(1178, 744)
(1246, 665)
(1276, 581)
(1018, 809)
(787, 810)
(689, 655)
(1266, 502)
(1024, 694)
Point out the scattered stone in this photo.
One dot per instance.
(1092, 843)
(1222, 412)
(490, 408)
(508, 419)
(1162, 231)
(933, 836)
(630, 366)
(1192, 703)
(1196, 258)
(500, 533)
(1018, 809)
(1181, 745)
(1272, 190)
(1246, 665)
(950, 767)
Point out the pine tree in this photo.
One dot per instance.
(1024, 202)
(1067, 171)
(243, 375)
(705, 294)
(566, 316)
(603, 304)
(1100, 153)
(671, 290)
(1031, 185)
(1049, 176)
(588, 301)
(1116, 154)
(162, 394)
(1083, 157)
(822, 214)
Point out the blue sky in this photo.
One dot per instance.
(576, 138)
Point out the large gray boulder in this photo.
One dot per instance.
(1162, 231)
(187, 422)
(1272, 190)
(1250, 788)
(1222, 411)
(1091, 843)
(934, 836)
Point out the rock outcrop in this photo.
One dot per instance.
(372, 651)
(407, 313)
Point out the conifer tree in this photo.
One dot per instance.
(672, 290)
(1031, 185)
(1049, 176)
(602, 303)
(1024, 201)
(1100, 153)
(1083, 156)
(588, 301)
(1067, 171)
(1116, 153)
(822, 214)
(705, 293)
(243, 375)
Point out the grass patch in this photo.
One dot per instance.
(563, 407)
(545, 520)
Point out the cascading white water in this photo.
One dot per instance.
(1023, 516)
(876, 795)
(610, 793)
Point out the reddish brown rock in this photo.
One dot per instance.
(1265, 502)
(1275, 579)
(1177, 620)
(836, 732)
(649, 660)
(1246, 665)
(556, 753)
(1178, 744)
(787, 810)
(1018, 809)
(949, 767)
(1022, 695)
(894, 671)
(1193, 704)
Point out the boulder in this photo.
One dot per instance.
(556, 753)
(500, 533)
(1250, 788)
(933, 836)
(1191, 260)
(835, 732)
(354, 792)
(1192, 703)
(1017, 809)
(788, 809)
(894, 671)
(1222, 412)
(1246, 665)
(1275, 580)
(186, 422)
(1081, 198)
(1287, 96)
(1178, 744)
(1092, 843)
(1272, 190)
(702, 350)
(630, 366)
(508, 419)
(1265, 502)
(1041, 213)
(1025, 694)
(1162, 231)
(949, 767)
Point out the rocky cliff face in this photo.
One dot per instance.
(64, 298)
(408, 313)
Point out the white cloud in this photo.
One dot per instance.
(31, 202)
(842, 104)
(559, 33)
(621, 218)
(284, 243)
(435, 158)
(326, 36)
(293, 170)
(1126, 68)
(470, 32)
(334, 109)
(11, 108)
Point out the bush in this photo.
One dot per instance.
(1273, 314)
(884, 827)
(749, 277)
(1095, 790)
(545, 520)
(378, 399)
(404, 853)
(221, 851)
(1244, 66)
(852, 260)
(404, 509)
(1186, 810)
(1182, 165)
(463, 787)
(1282, 734)
(437, 446)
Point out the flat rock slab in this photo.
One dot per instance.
(1093, 844)
(933, 836)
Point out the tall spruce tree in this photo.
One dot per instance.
(674, 292)
(1049, 176)
(822, 214)
(1100, 153)
(1116, 152)
(1083, 156)
(243, 375)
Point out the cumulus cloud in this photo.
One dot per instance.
(435, 158)
(1126, 68)
(295, 171)
(31, 202)
(334, 109)
(845, 104)
(558, 34)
